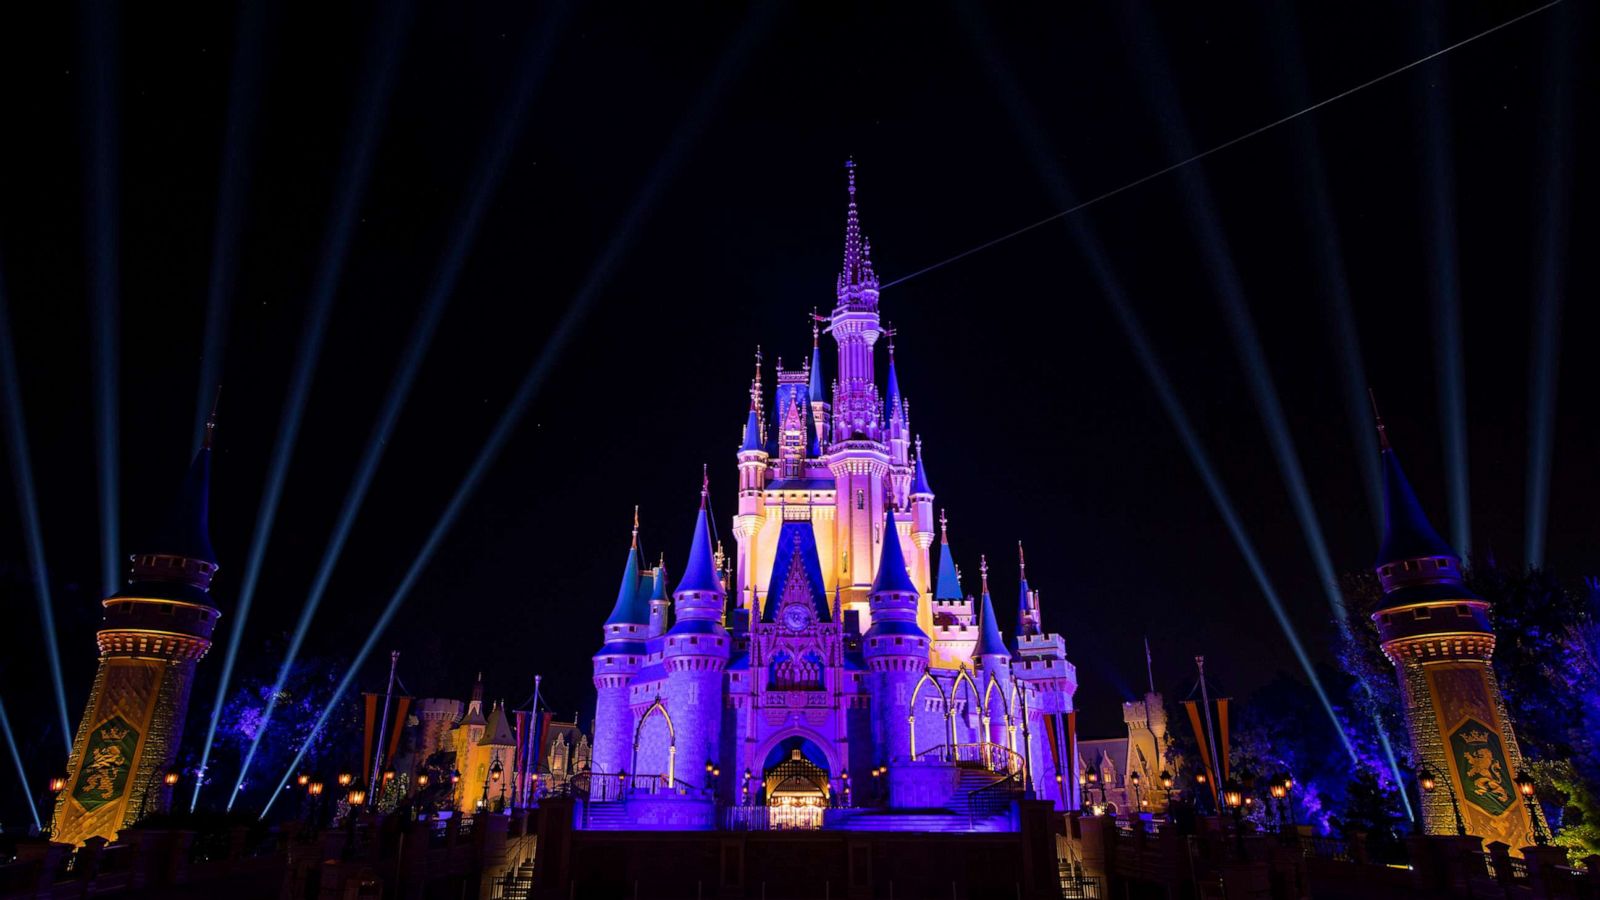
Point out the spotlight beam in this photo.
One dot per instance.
(1549, 282)
(16, 760)
(1444, 292)
(1107, 195)
(1025, 120)
(28, 511)
(756, 24)
(1330, 262)
(243, 96)
(354, 170)
(101, 49)
(464, 230)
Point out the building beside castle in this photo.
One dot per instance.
(828, 659)
(154, 633)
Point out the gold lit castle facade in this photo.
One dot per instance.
(826, 661)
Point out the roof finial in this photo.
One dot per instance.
(983, 571)
(705, 485)
(1383, 435)
(944, 527)
(636, 526)
(1022, 562)
(850, 176)
(815, 329)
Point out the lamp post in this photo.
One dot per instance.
(344, 779)
(1083, 790)
(1524, 783)
(1233, 796)
(1138, 796)
(1279, 790)
(1429, 780)
(496, 770)
(1166, 785)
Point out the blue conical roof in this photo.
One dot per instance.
(1407, 533)
(816, 374)
(658, 589)
(919, 479)
(632, 607)
(752, 431)
(989, 641)
(893, 393)
(700, 572)
(892, 574)
(948, 586)
(1022, 581)
(186, 531)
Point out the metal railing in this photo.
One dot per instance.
(987, 754)
(1075, 885)
(602, 788)
(992, 799)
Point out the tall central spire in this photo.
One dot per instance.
(857, 272)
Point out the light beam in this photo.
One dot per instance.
(1025, 120)
(101, 57)
(355, 167)
(1444, 285)
(1549, 280)
(16, 760)
(28, 512)
(756, 24)
(243, 96)
(464, 230)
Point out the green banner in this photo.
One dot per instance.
(1481, 767)
(107, 763)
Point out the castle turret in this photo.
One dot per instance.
(1049, 683)
(895, 647)
(922, 534)
(1027, 600)
(1437, 634)
(660, 603)
(992, 660)
(616, 662)
(153, 634)
(819, 396)
(696, 651)
(955, 626)
(747, 521)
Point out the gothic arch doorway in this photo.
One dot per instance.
(795, 784)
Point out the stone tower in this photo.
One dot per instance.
(154, 632)
(1437, 634)
(695, 653)
(896, 650)
(616, 663)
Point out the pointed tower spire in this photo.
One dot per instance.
(632, 607)
(919, 476)
(892, 575)
(752, 430)
(857, 271)
(185, 532)
(1023, 600)
(990, 643)
(948, 584)
(814, 387)
(700, 572)
(894, 405)
(1407, 533)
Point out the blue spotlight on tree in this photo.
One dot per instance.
(756, 24)
(28, 512)
(101, 57)
(463, 233)
(1549, 279)
(244, 91)
(354, 169)
(16, 760)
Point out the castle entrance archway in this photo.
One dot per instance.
(795, 784)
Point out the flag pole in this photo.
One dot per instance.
(383, 730)
(1211, 735)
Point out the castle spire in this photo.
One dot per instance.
(896, 409)
(700, 571)
(632, 607)
(814, 387)
(857, 271)
(892, 575)
(186, 530)
(919, 477)
(1407, 533)
(1023, 604)
(948, 584)
(990, 643)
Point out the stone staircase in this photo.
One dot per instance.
(604, 816)
(516, 884)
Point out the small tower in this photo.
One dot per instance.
(747, 521)
(819, 396)
(153, 634)
(1049, 683)
(1027, 600)
(696, 651)
(895, 647)
(660, 603)
(616, 662)
(993, 669)
(1437, 634)
(955, 632)
(922, 534)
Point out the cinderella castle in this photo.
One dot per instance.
(833, 664)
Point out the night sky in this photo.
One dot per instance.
(1038, 422)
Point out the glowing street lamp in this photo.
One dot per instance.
(171, 778)
(1525, 787)
(302, 779)
(357, 797)
(58, 784)
(345, 778)
(1430, 783)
